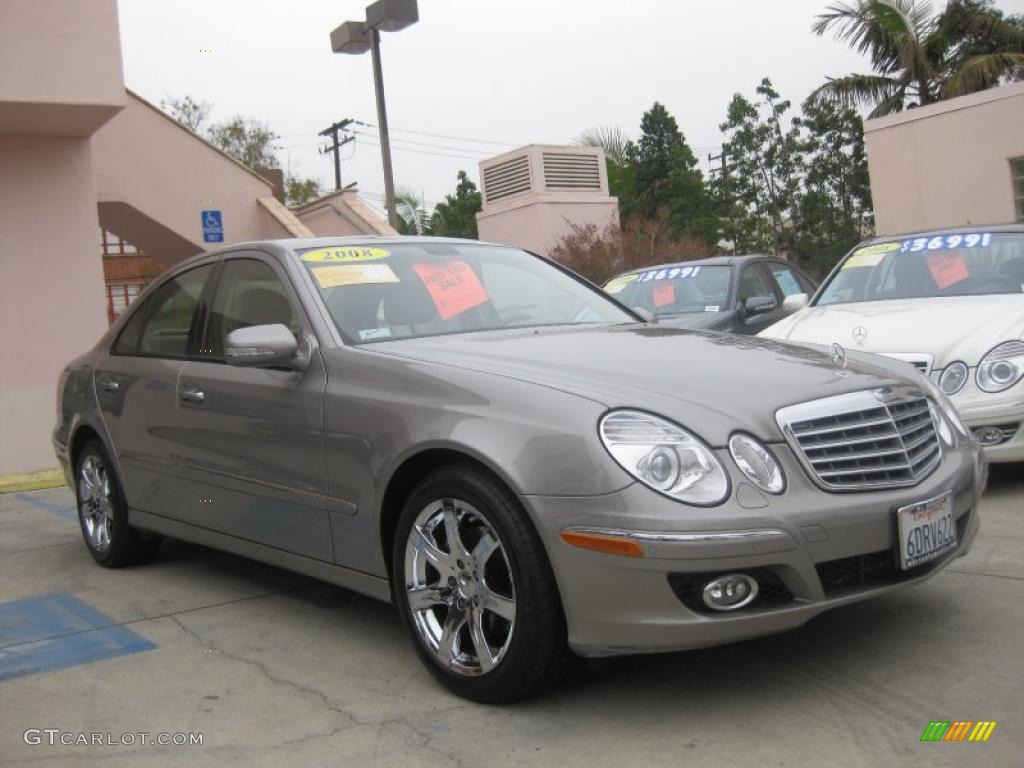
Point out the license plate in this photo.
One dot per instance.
(927, 531)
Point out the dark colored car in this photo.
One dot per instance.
(738, 294)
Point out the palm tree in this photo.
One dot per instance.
(920, 57)
(609, 138)
(413, 218)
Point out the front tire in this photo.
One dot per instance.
(475, 590)
(103, 513)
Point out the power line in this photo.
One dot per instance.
(433, 146)
(444, 136)
(423, 151)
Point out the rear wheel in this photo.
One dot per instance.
(103, 513)
(475, 590)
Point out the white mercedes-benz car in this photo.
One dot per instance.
(949, 302)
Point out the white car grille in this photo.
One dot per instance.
(864, 440)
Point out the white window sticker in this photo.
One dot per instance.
(368, 334)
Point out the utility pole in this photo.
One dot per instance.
(335, 146)
(724, 186)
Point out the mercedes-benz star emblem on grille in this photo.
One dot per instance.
(838, 356)
(859, 334)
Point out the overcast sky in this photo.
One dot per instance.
(488, 74)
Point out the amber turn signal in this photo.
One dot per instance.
(612, 545)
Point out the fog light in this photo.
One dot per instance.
(727, 593)
(989, 435)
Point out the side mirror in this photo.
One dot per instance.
(795, 302)
(758, 305)
(260, 345)
(646, 315)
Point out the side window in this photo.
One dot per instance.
(787, 279)
(249, 293)
(161, 327)
(128, 340)
(754, 283)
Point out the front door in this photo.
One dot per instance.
(136, 388)
(252, 438)
(755, 281)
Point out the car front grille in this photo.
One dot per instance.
(876, 569)
(864, 440)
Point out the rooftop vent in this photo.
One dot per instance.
(506, 179)
(571, 171)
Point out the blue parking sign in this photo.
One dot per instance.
(213, 227)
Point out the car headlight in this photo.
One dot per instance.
(1002, 367)
(757, 463)
(953, 378)
(665, 457)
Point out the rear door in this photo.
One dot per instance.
(252, 438)
(136, 388)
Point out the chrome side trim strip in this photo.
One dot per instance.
(668, 537)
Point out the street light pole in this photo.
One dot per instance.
(356, 37)
(382, 123)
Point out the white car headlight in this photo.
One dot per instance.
(757, 463)
(953, 378)
(1002, 367)
(665, 457)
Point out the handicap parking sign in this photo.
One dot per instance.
(213, 227)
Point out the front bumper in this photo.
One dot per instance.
(1001, 409)
(816, 550)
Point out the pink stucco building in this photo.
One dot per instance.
(956, 163)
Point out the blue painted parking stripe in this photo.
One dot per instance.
(64, 511)
(39, 634)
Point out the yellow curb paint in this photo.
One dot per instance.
(31, 481)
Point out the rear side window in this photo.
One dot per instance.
(161, 327)
(249, 292)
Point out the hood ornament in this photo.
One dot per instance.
(838, 355)
(859, 333)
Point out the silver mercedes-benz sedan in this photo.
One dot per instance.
(528, 470)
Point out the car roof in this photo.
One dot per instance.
(969, 229)
(711, 261)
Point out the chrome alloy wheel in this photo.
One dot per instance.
(96, 501)
(459, 586)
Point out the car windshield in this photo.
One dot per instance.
(949, 264)
(673, 290)
(406, 290)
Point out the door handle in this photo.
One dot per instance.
(192, 395)
(109, 384)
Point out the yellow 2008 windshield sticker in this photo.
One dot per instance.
(870, 255)
(354, 274)
(346, 253)
(616, 285)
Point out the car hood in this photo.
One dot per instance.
(712, 383)
(948, 328)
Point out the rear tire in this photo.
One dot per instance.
(103, 513)
(474, 588)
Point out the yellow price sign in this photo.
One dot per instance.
(354, 274)
(347, 253)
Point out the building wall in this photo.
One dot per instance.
(947, 164)
(51, 286)
(538, 226)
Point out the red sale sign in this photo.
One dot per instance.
(453, 286)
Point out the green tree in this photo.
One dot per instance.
(665, 175)
(299, 191)
(187, 111)
(834, 210)
(764, 167)
(247, 140)
(456, 215)
(919, 57)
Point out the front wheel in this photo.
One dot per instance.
(475, 590)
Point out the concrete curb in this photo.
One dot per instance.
(31, 481)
